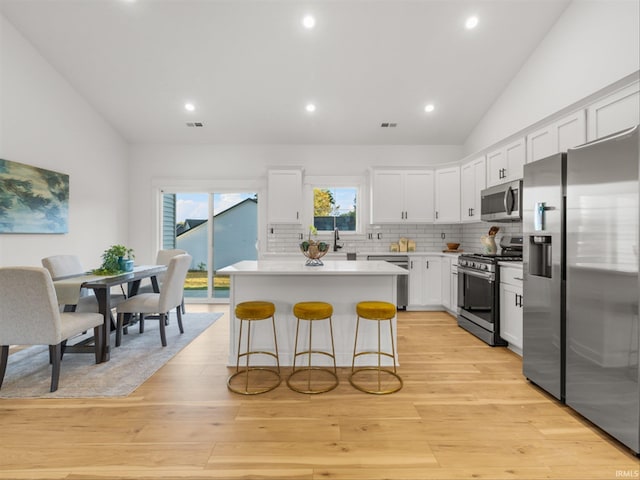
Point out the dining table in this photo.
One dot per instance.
(68, 290)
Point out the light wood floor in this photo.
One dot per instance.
(465, 412)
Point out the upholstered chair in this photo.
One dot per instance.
(64, 265)
(162, 258)
(159, 304)
(30, 316)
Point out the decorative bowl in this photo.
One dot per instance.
(453, 246)
(314, 251)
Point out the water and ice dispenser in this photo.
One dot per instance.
(540, 246)
(540, 255)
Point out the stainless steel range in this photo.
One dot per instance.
(478, 290)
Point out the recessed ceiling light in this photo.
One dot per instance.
(310, 107)
(189, 107)
(429, 107)
(309, 21)
(472, 22)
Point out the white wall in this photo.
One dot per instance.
(592, 45)
(215, 165)
(45, 123)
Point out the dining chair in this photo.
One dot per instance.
(159, 304)
(65, 265)
(162, 258)
(30, 316)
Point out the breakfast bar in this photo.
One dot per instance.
(341, 283)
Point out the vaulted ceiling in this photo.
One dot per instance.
(250, 68)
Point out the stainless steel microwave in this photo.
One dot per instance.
(502, 203)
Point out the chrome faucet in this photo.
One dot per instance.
(336, 237)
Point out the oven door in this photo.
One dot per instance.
(477, 297)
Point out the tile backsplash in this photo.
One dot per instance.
(377, 238)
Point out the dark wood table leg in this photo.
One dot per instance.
(104, 306)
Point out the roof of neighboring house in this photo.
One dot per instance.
(188, 224)
(191, 223)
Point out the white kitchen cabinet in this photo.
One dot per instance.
(445, 280)
(402, 196)
(473, 181)
(284, 196)
(511, 301)
(416, 282)
(614, 112)
(447, 195)
(425, 282)
(558, 136)
(506, 164)
(432, 281)
(454, 286)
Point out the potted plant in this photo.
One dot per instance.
(116, 259)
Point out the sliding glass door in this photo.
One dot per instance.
(217, 229)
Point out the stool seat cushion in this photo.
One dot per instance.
(257, 310)
(374, 310)
(313, 310)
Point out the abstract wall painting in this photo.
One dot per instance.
(32, 200)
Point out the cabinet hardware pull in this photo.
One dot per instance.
(517, 278)
(471, 210)
(427, 264)
(436, 215)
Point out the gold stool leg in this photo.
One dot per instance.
(309, 356)
(309, 368)
(333, 348)
(379, 370)
(248, 369)
(275, 343)
(355, 343)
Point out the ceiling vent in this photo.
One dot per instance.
(195, 124)
(388, 125)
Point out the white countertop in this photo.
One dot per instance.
(360, 255)
(298, 267)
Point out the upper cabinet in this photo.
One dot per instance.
(284, 196)
(448, 195)
(559, 136)
(474, 180)
(402, 196)
(506, 163)
(614, 112)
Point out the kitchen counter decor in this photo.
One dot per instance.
(313, 250)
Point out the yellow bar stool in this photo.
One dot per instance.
(250, 312)
(313, 312)
(378, 312)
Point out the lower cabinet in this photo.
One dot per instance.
(445, 281)
(511, 301)
(454, 286)
(425, 282)
(450, 284)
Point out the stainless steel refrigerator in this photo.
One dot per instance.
(543, 227)
(602, 288)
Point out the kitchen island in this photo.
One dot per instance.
(341, 283)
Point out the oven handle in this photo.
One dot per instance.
(474, 273)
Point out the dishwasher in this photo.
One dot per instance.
(403, 280)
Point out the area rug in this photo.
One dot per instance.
(139, 356)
